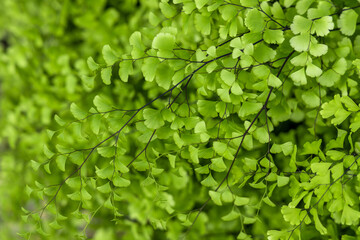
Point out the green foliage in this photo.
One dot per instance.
(186, 119)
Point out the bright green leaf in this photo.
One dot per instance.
(106, 75)
(347, 22)
(153, 118)
(254, 20)
(109, 55)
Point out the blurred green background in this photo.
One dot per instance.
(44, 45)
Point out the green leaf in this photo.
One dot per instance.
(104, 188)
(178, 141)
(350, 104)
(105, 173)
(153, 118)
(291, 215)
(292, 163)
(106, 151)
(355, 125)
(301, 24)
(156, 171)
(311, 99)
(274, 81)
(275, 234)
(273, 36)
(303, 5)
(339, 141)
(331, 107)
(75, 196)
(35, 165)
(149, 68)
(254, 20)
(85, 195)
(202, 170)
(206, 108)
(227, 196)
(74, 182)
(55, 225)
(120, 182)
(299, 77)
(172, 160)
(164, 41)
(95, 123)
(154, 19)
(263, 53)
(217, 164)
(249, 108)
(50, 133)
(203, 24)
(209, 181)
(248, 3)
(93, 66)
(211, 51)
(236, 43)
(163, 76)
(109, 55)
(215, 197)
(201, 3)
(77, 158)
(285, 148)
(102, 104)
(194, 154)
(317, 49)
(119, 166)
(48, 153)
(269, 202)
(147, 182)
(340, 116)
(88, 81)
(231, 215)
(335, 155)
(347, 22)
(321, 168)
(224, 95)
(340, 66)
(228, 12)
(312, 70)
(301, 42)
(262, 135)
(311, 147)
(125, 69)
(251, 163)
(282, 181)
(350, 216)
(47, 168)
(236, 89)
(228, 77)
(301, 60)
(61, 161)
(318, 225)
(329, 78)
(77, 112)
(138, 47)
(241, 201)
(220, 147)
(322, 26)
(106, 75)
(168, 10)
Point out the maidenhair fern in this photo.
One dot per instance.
(175, 137)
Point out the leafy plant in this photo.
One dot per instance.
(225, 119)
